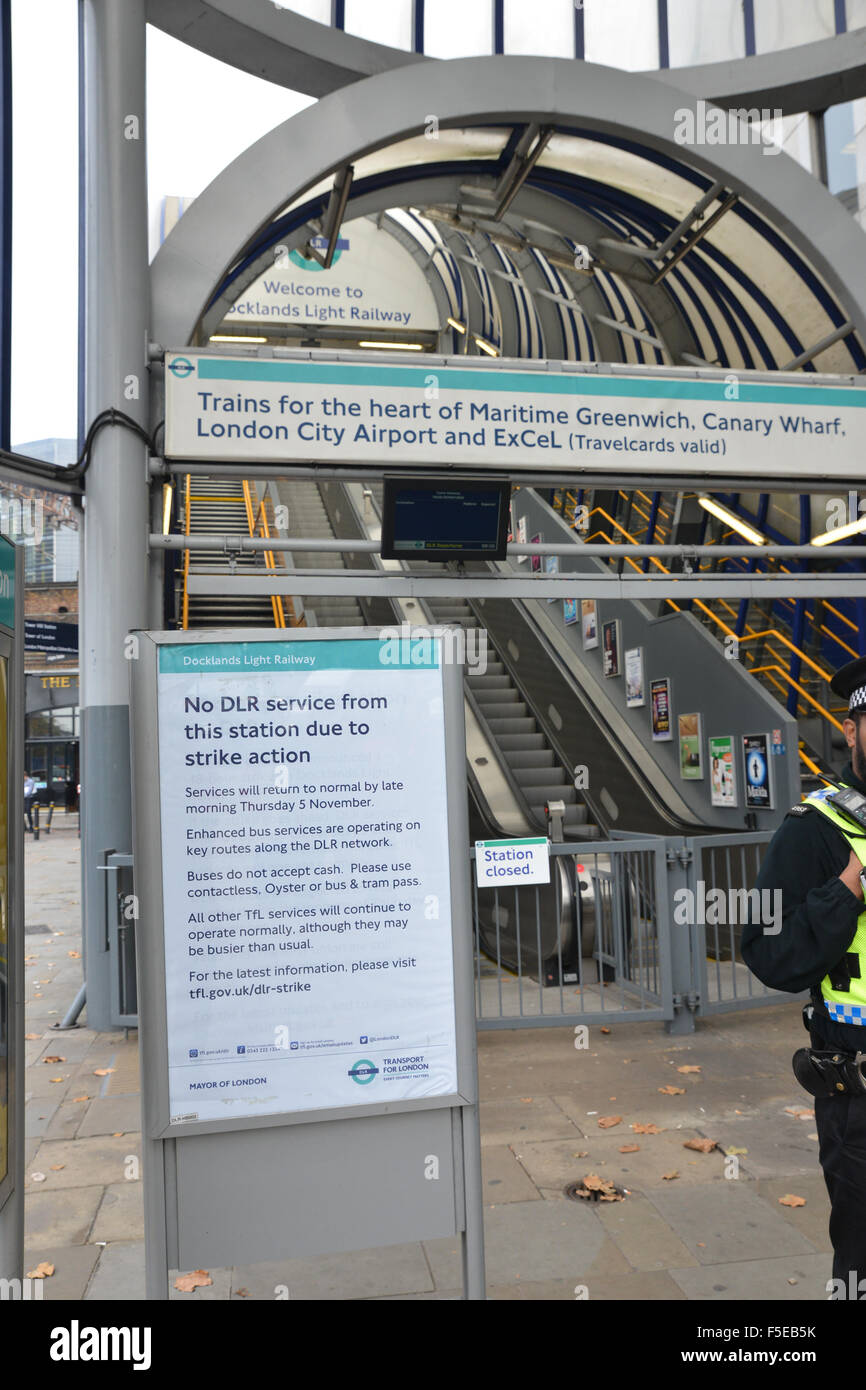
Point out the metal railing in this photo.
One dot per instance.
(630, 928)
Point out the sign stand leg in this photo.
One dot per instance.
(155, 1239)
(472, 1243)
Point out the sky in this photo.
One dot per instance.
(201, 115)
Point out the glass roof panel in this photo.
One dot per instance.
(781, 24)
(458, 28)
(544, 27)
(310, 9)
(622, 34)
(705, 33)
(388, 21)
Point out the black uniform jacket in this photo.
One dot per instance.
(819, 913)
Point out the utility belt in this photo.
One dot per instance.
(825, 1072)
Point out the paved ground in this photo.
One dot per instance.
(715, 1231)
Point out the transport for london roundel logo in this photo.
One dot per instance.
(363, 1072)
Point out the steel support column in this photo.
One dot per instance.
(116, 313)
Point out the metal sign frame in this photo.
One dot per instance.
(12, 1185)
(199, 1207)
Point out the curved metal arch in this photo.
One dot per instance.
(213, 233)
(299, 53)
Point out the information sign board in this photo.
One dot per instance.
(500, 862)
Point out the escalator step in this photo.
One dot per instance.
(510, 742)
(531, 757)
(512, 726)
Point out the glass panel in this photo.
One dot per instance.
(388, 21)
(545, 26)
(855, 14)
(61, 722)
(36, 761)
(779, 24)
(311, 9)
(45, 221)
(705, 33)
(61, 764)
(622, 33)
(458, 28)
(39, 724)
(839, 144)
(4, 925)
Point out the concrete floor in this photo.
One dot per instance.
(715, 1231)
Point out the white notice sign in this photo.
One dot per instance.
(500, 862)
(306, 876)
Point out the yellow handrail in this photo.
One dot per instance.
(252, 522)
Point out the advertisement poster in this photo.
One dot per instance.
(302, 847)
(589, 620)
(551, 566)
(521, 537)
(570, 611)
(660, 701)
(635, 693)
(759, 790)
(691, 740)
(723, 786)
(535, 560)
(610, 654)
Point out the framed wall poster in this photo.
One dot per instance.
(723, 782)
(589, 623)
(570, 612)
(535, 560)
(635, 691)
(551, 566)
(660, 702)
(521, 537)
(758, 783)
(691, 740)
(610, 654)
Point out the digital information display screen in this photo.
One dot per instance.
(445, 519)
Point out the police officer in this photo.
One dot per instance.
(816, 860)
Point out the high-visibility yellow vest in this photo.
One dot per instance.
(846, 1005)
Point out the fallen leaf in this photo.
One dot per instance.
(104, 1071)
(583, 1154)
(611, 1097)
(702, 1146)
(118, 1134)
(792, 1281)
(669, 1177)
(242, 1293)
(789, 1200)
(42, 1271)
(37, 996)
(33, 1037)
(671, 1091)
(608, 1121)
(646, 1129)
(629, 1148)
(37, 1177)
(54, 1060)
(55, 1167)
(702, 1245)
(75, 955)
(811, 1136)
(77, 1098)
(526, 1100)
(799, 1112)
(732, 1149)
(592, 1183)
(52, 1079)
(688, 1068)
(605, 1030)
(199, 1279)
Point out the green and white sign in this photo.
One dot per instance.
(7, 583)
(500, 862)
(226, 409)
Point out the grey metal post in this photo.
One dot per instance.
(680, 874)
(12, 1186)
(116, 309)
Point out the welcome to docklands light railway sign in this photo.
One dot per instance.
(357, 411)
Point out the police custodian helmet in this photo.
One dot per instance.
(850, 683)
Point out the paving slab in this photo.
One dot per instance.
(503, 1121)
(60, 1217)
(217, 1291)
(645, 1238)
(100, 1159)
(503, 1179)
(73, 1266)
(727, 1223)
(119, 1275)
(790, 1279)
(812, 1220)
(777, 1145)
(393, 1270)
(66, 1120)
(121, 1214)
(631, 1287)
(113, 1114)
(554, 1164)
(38, 1113)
